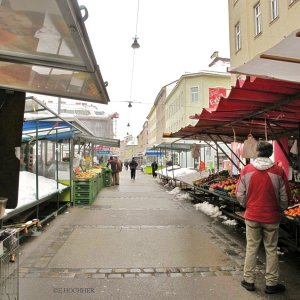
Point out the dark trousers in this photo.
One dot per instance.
(132, 173)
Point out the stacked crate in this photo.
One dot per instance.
(107, 177)
(100, 182)
(84, 191)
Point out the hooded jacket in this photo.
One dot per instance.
(263, 189)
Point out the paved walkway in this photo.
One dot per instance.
(138, 242)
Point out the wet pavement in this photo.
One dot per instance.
(139, 242)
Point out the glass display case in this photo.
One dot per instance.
(45, 49)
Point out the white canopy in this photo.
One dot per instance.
(279, 62)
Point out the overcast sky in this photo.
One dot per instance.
(176, 36)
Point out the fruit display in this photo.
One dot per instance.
(95, 170)
(228, 186)
(293, 211)
(204, 180)
(88, 173)
(84, 175)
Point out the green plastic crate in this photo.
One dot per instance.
(84, 191)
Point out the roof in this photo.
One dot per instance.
(264, 107)
(97, 140)
(48, 130)
(45, 49)
(56, 127)
(176, 146)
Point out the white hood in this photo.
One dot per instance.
(263, 163)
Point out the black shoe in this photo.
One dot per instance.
(274, 289)
(248, 286)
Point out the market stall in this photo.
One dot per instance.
(46, 51)
(41, 153)
(267, 109)
(192, 159)
(150, 156)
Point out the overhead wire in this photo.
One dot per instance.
(133, 61)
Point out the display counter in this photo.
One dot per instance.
(88, 184)
(31, 197)
(220, 191)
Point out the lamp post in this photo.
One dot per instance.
(135, 44)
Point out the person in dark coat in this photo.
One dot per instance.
(113, 166)
(126, 163)
(133, 165)
(154, 168)
(119, 167)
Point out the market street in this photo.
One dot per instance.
(139, 242)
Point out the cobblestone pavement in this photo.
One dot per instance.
(37, 266)
(55, 260)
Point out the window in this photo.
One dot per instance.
(257, 18)
(237, 36)
(194, 94)
(99, 113)
(274, 9)
(82, 112)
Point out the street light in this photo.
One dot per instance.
(135, 44)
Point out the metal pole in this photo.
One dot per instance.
(56, 160)
(186, 164)
(37, 167)
(231, 150)
(218, 147)
(71, 155)
(218, 161)
(172, 163)
(298, 145)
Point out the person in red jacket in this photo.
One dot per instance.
(263, 189)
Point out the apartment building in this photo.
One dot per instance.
(190, 95)
(256, 26)
(143, 139)
(156, 117)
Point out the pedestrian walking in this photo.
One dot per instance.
(169, 163)
(119, 166)
(263, 189)
(154, 167)
(126, 165)
(133, 165)
(113, 166)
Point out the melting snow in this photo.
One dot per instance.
(27, 188)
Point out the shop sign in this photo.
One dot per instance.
(215, 95)
(103, 148)
(103, 152)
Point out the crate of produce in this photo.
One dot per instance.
(293, 213)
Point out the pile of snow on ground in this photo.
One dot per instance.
(214, 212)
(184, 196)
(175, 191)
(208, 209)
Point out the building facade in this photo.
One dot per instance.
(152, 126)
(96, 120)
(143, 139)
(157, 117)
(256, 26)
(190, 95)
